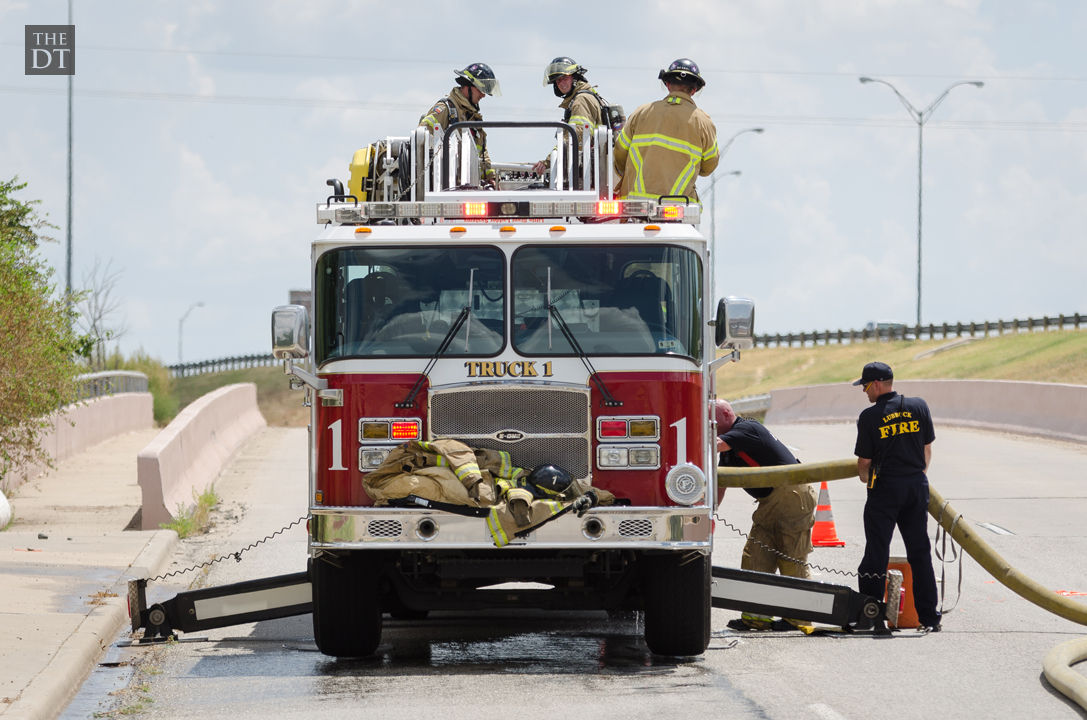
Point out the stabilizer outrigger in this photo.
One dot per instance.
(289, 595)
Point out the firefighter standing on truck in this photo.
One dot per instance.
(666, 145)
(780, 537)
(581, 104)
(462, 104)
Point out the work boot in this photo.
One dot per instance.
(746, 625)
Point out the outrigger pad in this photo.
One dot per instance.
(221, 606)
(796, 598)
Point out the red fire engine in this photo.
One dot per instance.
(546, 319)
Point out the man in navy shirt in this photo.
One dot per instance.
(894, 447)
(780, 537)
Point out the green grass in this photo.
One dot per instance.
(190, 521)
(1056, 356)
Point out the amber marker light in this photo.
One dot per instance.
(363, 230)
(558, 228)
(507, 229)
(457, 229)
(375, 430)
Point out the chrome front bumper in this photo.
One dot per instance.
(606, 528)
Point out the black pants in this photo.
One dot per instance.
(901, 501)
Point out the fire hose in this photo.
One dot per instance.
(1057, 663)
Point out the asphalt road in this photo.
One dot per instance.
(986, 663)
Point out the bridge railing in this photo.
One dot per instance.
(931, 331)
(110, 382)
(897, 331)
(238, 362)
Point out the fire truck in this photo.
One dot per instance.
(544, 318)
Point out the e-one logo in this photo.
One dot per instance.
(50, 50)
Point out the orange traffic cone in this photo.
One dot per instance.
(823, 533)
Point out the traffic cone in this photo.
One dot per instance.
(823, 533)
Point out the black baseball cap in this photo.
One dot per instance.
(875, 371)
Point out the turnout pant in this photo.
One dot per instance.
(901, 501)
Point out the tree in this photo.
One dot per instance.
(98, 309)
(38, 347)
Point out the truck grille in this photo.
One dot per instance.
(539, 425)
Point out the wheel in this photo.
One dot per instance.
(676, 592)
(346, 608)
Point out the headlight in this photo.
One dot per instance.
(685, 484)
(612, 456)
(370, 458)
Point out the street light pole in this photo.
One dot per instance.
(181, 323)
(713, 201)
(920, 117)
(713, 180)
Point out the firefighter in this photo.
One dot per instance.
(667, 144)
(780, 537)
(462, 104)
(581, 104)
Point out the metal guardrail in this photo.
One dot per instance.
(238, 362)
(816, 337)
(922, 332)
(110, 382)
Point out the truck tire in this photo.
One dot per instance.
(346, 608)
(676, 592)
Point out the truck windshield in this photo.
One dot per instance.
(642, 300)
(402, 301)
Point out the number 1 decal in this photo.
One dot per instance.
(681, 440)
(337, 446)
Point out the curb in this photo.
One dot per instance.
(50, 692)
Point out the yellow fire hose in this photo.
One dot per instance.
(1057, 663)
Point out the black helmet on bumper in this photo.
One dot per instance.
(549, 481)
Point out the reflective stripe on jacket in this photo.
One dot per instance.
(438, 117)
(664, 147)
(582, 106)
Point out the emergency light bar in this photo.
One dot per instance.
(343, 213)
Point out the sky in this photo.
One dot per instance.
(203, 133)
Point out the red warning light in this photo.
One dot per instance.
(608, 207)
(475, 209)
(672, 212)
(613, 428)
(405, 430)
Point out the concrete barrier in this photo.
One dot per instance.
(1050, 409)
(188, 455)
(79, 426)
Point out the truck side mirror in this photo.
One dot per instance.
(735, 326)
(290, 332)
